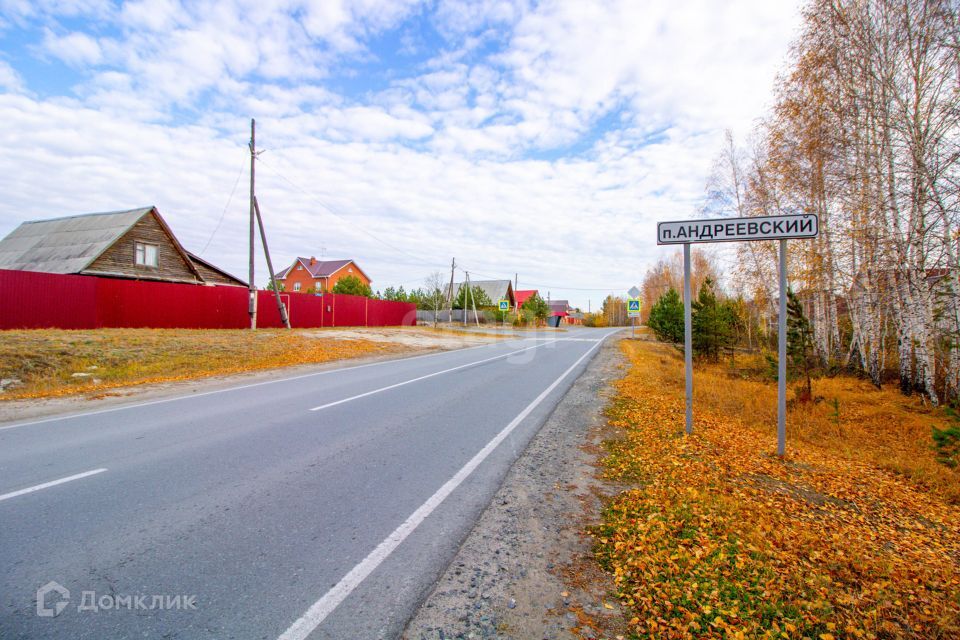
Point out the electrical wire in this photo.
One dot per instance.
(417, 259)
(226, 206)
(343, 218)
(546, 286)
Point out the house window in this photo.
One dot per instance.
(350, 270)
(145, 255)
(299, 267)
(296, 286)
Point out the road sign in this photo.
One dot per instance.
(633, 308)
(634, 292)
(737, 229)
(504, 304)
(780, 228)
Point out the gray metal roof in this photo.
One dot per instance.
(65, 245)
(495, 289)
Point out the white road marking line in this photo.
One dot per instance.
(52, 483)
(246, 386)
(429, 375)
(322, 608)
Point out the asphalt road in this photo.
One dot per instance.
(322, 506)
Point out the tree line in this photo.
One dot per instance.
(865, 133)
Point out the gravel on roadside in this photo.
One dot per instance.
(526, 570)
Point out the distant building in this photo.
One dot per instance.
(494, 289)
(318, 276)
(135, 244)
(523, 294)
(568, 314)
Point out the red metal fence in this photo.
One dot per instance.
(31, 300)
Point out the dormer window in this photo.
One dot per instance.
(145, 255)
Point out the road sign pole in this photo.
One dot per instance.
(687, 336)
(633, 328)
(782, 356)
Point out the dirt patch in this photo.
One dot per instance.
(527, 568)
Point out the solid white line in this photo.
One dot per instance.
(429, 375)
(245, 386)
(52, 483)
(317, 613)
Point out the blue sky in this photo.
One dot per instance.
(539, 138)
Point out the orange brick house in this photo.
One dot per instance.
(315, 276)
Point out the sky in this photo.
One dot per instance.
(543, 139)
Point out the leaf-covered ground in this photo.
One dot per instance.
(50, 363)
(714, 536)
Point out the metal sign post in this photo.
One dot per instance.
(633, 310)
(687, 337)
(779, 228)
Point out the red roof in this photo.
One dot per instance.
(522, 294)
(320, 268)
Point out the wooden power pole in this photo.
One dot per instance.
(256, 220)
(252, 305)
(453, 267)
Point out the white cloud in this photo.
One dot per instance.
(496, 158)
(75, 49)
(10, 80)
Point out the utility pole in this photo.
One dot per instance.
(252, 305)
(453, 266)
(473, 301)
(466, 295)
(516, 283)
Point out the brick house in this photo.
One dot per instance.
(312, 275)
(135, 244)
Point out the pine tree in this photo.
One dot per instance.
(477, 298)
(711, 328)
(352, 285)
(666, 317)
(800, 343)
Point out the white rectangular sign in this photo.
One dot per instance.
(737, 229)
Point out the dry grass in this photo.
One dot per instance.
(856, 534)
(46, 361)
(850, 417)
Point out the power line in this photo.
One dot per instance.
(343, 218)
(227, 206)
(330, 209)
(548, 286)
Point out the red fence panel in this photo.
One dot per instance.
(164, 305)
(30, 300)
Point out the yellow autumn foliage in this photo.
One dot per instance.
(714, 536)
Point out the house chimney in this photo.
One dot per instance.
(313, 261)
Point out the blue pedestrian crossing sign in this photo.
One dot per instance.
(633, 307)
(504, 304)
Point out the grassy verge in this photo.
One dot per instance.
(856, 534)
(56, 363)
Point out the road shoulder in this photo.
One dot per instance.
(526, 569)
